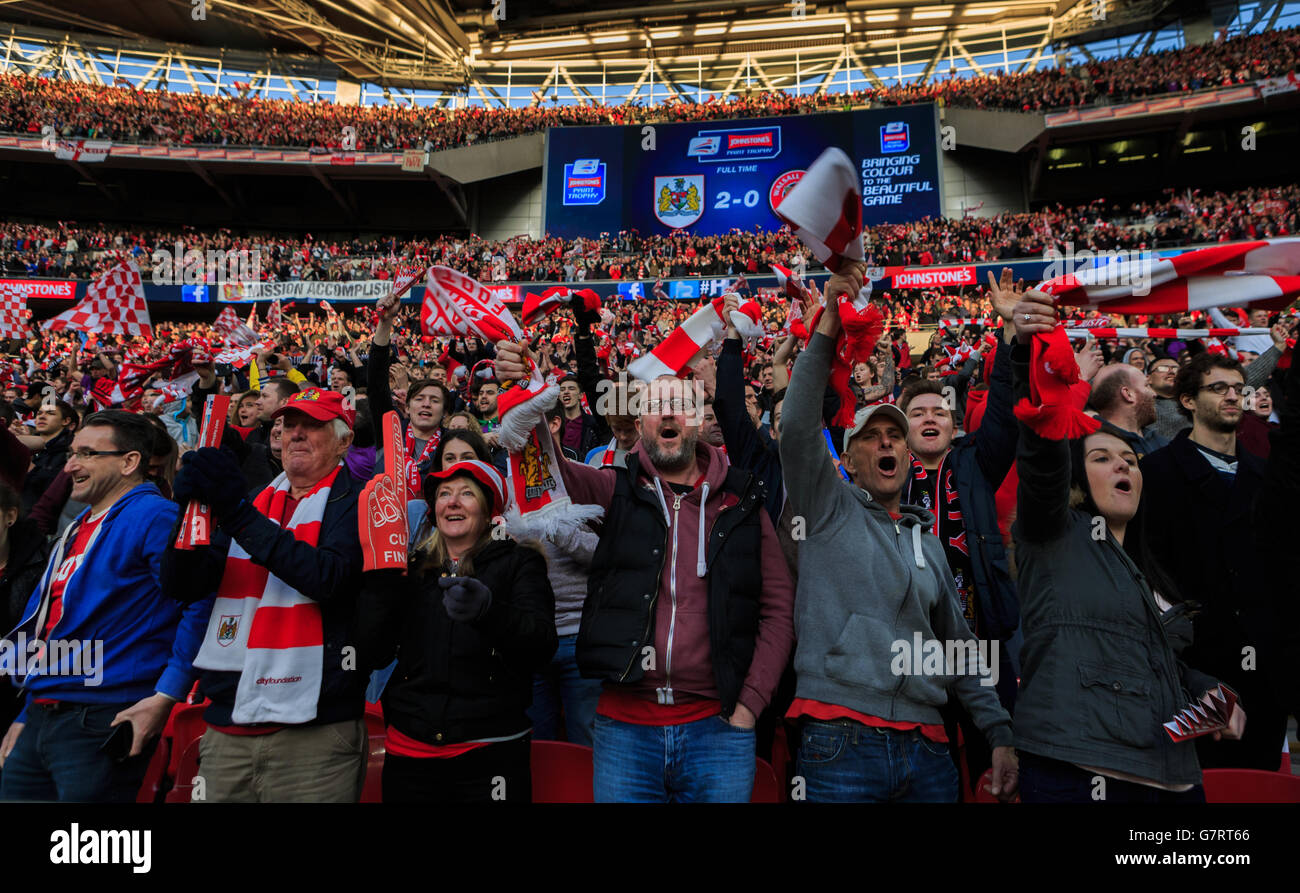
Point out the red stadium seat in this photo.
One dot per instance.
(187, 768)
(187, 726)
(983, 796)
(766, 787)
(781, 756)
(1250, 786)
(561, 772)
(155, 777)
(373, 790)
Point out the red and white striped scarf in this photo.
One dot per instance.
(265, 630)
(414, 486)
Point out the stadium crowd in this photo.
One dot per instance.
(699, 521)
(125, 114)
(68, 250)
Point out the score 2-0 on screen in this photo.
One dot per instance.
(711, 177)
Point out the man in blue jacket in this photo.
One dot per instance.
(100, 645)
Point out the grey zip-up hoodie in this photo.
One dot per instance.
(867, 582)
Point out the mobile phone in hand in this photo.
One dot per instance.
(117, 747)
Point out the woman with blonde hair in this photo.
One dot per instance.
(469, 622)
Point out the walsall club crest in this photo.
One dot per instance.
(227, 629)
(679, 201)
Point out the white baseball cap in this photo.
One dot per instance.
(867, 413)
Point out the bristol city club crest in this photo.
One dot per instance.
(679, 201)
(227, 629)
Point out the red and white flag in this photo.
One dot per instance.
(825, 209)
(235, 333)
(252, 318)
(789, 281)
(275, 316)
(13, 311)
(455, 304)
(329, 311)
(1263, 274)
(675, 352)
(538, 306)
(114, 305)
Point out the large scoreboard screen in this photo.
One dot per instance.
(714, 176)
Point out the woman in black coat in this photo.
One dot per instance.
(469, 623)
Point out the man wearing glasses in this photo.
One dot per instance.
(1199, 494)
(100, 645)
(689, 611)
(1169, 421)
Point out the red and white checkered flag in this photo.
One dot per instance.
(232, 330)
(275, 316)
(13, 311)
(252, 318)
(114, 305)
(455, 304)
(1263, 274)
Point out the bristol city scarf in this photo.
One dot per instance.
(539, 505)
(265, 630)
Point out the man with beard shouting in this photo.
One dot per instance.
(689, 611)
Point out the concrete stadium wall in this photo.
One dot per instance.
(971, 176)
(507, 206)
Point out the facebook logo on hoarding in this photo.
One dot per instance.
(684, 290)
(893, 137)
(631, 291)
(197, 294)
(584, 182)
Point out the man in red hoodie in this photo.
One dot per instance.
(689, 611)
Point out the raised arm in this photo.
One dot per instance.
(781, 362)
(1043, 496)
(810, 476)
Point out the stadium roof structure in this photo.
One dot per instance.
(524, 52)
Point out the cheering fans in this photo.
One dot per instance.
(1202, 492)
(1124, 399)
(865, 735)
(427, 402)
(277, 657)
(127, 115)
(1099, 675)
(56, 422)
(689, 636)
(115, 652)
(469, 621)
(956, 480)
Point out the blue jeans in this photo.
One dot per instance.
(561, 685)
(706, 761)
(58, 757)
(848, 762)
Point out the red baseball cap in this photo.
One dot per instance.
(486, 476)
(319, 404)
